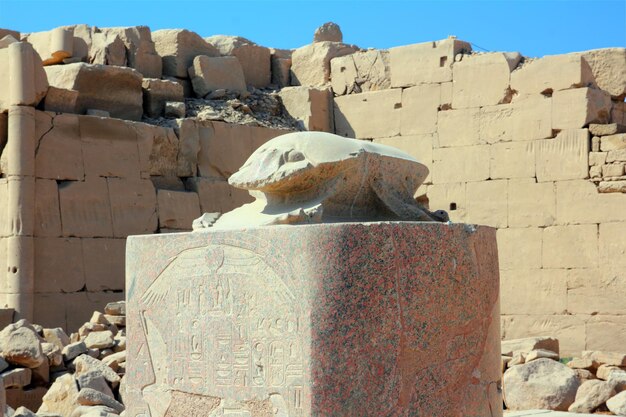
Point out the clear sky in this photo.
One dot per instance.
(532, 27)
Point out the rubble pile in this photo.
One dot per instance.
(536, 377)
(48, 372)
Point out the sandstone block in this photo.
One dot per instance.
(117, 308)
(16, 378)
(254, 59)
(618, 113)
(609, 71)
(574, 246)
(58, 154)
(189, 147)
(57, 337)
(551, 73)
(573, 109)
(139, 49)
(540, 384)
(429, 62)
(20, 345)
(618, 380)
(606, 332)
(599, 358)
(310, 64)
(47, 213)
(61, 398)
(597, 158)
(85, 208)
(73, 350)
(563, 158)
(590, 395)
(531, 204)
(458, 127)
(103, 87)
(519, 248)
(604, 371)
(528, 344)
(212, 73)
(527, 118)
(580, 202)
(458, 164)
(177, 210)
(178, 48)
(613, 170)
(534, 291)
(512, 160)
(328, 32)
(541, 353)
(487, 202)
(617, 404)
(157, 92)
(60, 100)
(103, 260)
(613, 142)
(569, 329)
(133, 206)
(360, 72)
(107, 49)
(94, 380)
(99, 340)
(217, 196)
(369, 115)
(616, 155)
(311, 106)
(451, 197)
(606, 129)
(483, 79)
(420, 108)
(89, 396)
(419, 147)
(159, 150)
(85, 364)
(58, 264)
(30, 398)
(281, 67)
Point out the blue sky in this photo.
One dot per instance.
(532, 27)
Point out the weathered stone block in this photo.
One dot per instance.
(564, 158)
(613, 142)
(519, 248)
(420, 106)
(312, 106)
(573, 246)
(533, 290)
(58, 154)
(606, 129)
(60, 100)
(254, 59)
(459, 164)
(550, 74)
(609, 69)
(102, 87)
(58, 265)
(217, 196)
(531, 203)
(156, 92)
(580, 202)
(458, 127)
(573, 109)
(159, 150)
(612, 170)
(359, 72)
(483, 79)
(310, 64)
(85, 208)
(419, 147)
(597, 158)
(512, 160)
(450, 197)
(429, 62)
(487, 202)
(47, 209)
(286, 343)
(178, 48)
(281, 67)
(177, 209)
(528, 118)
(188, 147)
(213, 73)
(139, 49)
(369, 115)
(133, 206)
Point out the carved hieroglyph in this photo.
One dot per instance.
(343, 319)
(317, 177)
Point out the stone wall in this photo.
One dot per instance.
(533, 147)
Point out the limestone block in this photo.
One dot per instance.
(613, 142)
(428, 62)
(419, 147)
(527, 118)
(109, 148)
(369, 115)
(458, 127)
(177, 210)
(533, 291)
(531, 203)
(606, 332)
(178, 48)
(186, 263)
(483, 79)
(104, 264)
(60, 100)
(311, 106)
(458, 164)
(281, 67)
(573, 109)
(58, 265)
(487, 202)
(512, 160)
(140, 50)
(420, 107)
(188, 149)
(310, 64)
(573, 246)
(52, 46)
(254, 59)
(133, 206)
(580, 202)
(103, 87)
(359, 72)
(451, 197)
(216, 195)
(596, 291)
(213, 73)
(551, 74)
(85, 208)
(156, 92)
(58, 154)
(519, 248)
(606, 129)
(47, 209)
(564, 158)
(239, 141)
(609, 69)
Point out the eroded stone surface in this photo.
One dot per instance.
(337, 319)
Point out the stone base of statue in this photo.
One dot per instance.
(342, 320)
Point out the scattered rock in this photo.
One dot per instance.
(99, 340)
(528, 344)
(541, 353)
(20, 345)
(605, 371)
(618, 380)
(73, 350)
(94, 380)
(117, 308)
(23, 412)
(16, 378)
(591, 395)
(57, 337)
(88, 396)
(213, 73)
(617, 404)
(62, 396)
(85, 363)
(580, 363)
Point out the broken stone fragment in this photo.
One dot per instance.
(580, 363)
(212, 73)
(178, 48)
(604, 371)
(157, 92)
(139, 49)
(541, 353)
(21, 345)
(310, 64)
(605, 358)
(94, 380)
(174, 109)
(329, 31)
(591, 395)
(94, 411)
(618, 380)
(73, 350)
(528, 344)
(16, 378)
(361, 71)
(88, 396)
(119, 321)
(117, 308)
(85, 363)
(98, 318)
(53, 353)
(61, 397)
(56, 336)
(255, 60)
(606, 129)
(617, 404)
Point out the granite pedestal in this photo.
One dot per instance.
(345, 319)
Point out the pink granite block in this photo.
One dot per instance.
(347, 319)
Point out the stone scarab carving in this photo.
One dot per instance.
(315, 177)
